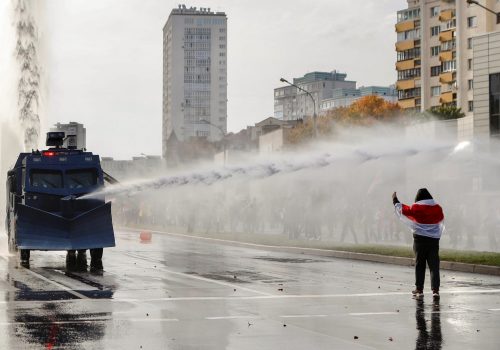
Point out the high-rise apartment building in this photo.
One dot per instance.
(194, 75)
(434, 51)
(291, 103)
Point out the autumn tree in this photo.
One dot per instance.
(365, 111)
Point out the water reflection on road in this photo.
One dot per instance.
(429, 338)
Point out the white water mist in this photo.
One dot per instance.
(334, 192)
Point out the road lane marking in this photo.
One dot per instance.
(63, 287)
(494, 309)
(373, 313)
(255, 297)
(302, 316)
(230, 317)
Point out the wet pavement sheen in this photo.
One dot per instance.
(184, 293)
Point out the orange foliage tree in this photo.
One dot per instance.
(363, 112)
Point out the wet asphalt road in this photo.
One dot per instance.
(183, 293)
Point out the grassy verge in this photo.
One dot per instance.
(461, 256)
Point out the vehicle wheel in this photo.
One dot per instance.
(25, 255)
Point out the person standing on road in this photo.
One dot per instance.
(426, 220)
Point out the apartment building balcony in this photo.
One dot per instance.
(405, 84)
(407, 64)
(446, 36)
(408, 103)
(448, 45)
(446, 15)
(406, 44)
(446, 56)
(447, 97)
(447, 77)
(406, 25)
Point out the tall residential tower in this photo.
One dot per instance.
(434, 51)
(194, 75)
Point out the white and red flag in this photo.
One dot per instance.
(425, 217)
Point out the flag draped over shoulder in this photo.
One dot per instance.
(425, 218)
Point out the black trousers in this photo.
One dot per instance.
(426, 253)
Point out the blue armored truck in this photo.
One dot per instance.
(45, 210)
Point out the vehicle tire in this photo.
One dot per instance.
(25, 255)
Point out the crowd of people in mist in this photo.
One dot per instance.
(304, 211)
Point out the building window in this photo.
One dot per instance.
(471, 84)
(435, 90)
(435, 71)
(434, 11)
(449, 66)
(469, 43)
(495, 104)
(472, 22)
(469, 64)
(435, 50)
(435, 30)
(471, 106)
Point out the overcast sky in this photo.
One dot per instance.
(105, 59)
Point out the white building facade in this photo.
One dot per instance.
(194, 75)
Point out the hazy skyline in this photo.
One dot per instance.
(105, 59)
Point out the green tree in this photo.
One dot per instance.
(446, 112)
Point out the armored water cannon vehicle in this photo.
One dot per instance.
(45, 210)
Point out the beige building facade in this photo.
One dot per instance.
(435, 61)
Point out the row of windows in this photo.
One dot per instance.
(409, 34)
(197, 46)
(197, 54)
(196, 94)
(408, 73)
(446, 66)
(197, 78)
(406, 15)
(197, 62)
(196, 31)
(409, 54)
(197, 37)
(196, 69)
(205, 21)
(410, 93)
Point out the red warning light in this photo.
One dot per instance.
(48, 154)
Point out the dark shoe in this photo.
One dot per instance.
(435, 293)
(417, 293)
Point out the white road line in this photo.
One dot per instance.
(253, 297)
(302, 316)
(231, 317)
(493, 309)
(148, 319)
(372, 313)
(63, 287)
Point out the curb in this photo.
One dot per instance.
(394, 260)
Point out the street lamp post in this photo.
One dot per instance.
(474, 2)
(223, 136)
(315, 129)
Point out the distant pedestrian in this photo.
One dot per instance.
(425, 219)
